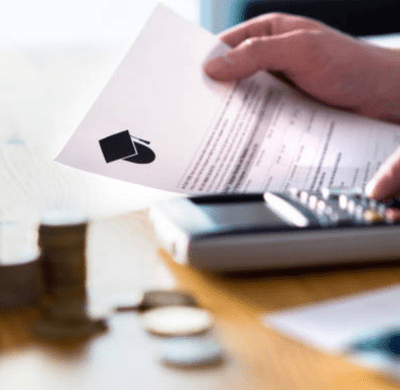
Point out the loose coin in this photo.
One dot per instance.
(159, 298)
(177, 321)
(62, 238)
(191, 352)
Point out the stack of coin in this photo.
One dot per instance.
(62, 238)
(20, 270)
(66, 319)
(20, 280)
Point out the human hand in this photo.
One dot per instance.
(326, 64)
(386, 183)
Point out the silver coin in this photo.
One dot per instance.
(191, 352)
(177, 321)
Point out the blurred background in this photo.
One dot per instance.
(357, 17)
(49, 23)
(45, 23)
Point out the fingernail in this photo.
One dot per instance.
(217, 65)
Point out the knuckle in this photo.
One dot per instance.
(274, 19)
(253, 46)
(311, 50)
(274, 16)
(311, 44)
(308, 38)
(253, 51)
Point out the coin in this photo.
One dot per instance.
(159, 298)
(177, 321)
(62, 238)
(191, 352)
(20, 280)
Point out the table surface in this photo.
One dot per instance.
(44, 94)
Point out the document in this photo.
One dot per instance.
(161, 122)
(335, 325)
(332, 325)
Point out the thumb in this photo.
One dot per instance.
(252, 55)
(385, 184)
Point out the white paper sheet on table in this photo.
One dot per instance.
(331, 326)
(196, 135)
(334, 326)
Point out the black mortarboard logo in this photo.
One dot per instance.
(120, 146)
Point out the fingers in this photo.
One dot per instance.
(267, 25)
(386, 182)
(274, 53)
(393, 215)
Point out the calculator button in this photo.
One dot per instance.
(334, 193)
(334, 217)
(359, 213)
(328, 210)
(321, 206)
(312, 202)
(372, 216)
(304, 197)
(351, 206)
(326, 192)
(343, 200)
(381, 208)
(294, 192)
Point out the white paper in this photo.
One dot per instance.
(331, 326)
(207, 136)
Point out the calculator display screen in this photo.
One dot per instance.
(242, 214)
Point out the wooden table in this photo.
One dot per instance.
(43, 96)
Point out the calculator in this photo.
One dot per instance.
(243, 232)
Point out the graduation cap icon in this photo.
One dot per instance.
(123, 146)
